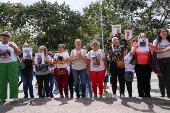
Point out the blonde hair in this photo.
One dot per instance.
(141, 34)
(45, 49)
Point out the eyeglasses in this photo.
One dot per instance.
(5, 35)
(84, 48)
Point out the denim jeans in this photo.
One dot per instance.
(27, 82)
(52, 79)
(89, 85)
(82, 74)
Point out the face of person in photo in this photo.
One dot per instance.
(39, 60)
(95, 45)
(85, 48)
(118, 30)
(115, 42)
(163, 33)
(41, 50)
(60, 48)
(5, 37)
(142, 36)
(25, 46)
(78, 44)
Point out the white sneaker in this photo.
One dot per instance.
(114, 95)
(2, 100)
(16, 100)
(122, 96)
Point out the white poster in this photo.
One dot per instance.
(39, 58)
(128, 34)
(143, 44)
(27, 53)
(116, 30)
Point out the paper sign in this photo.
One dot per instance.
(143, 44)
(27, 53)
(39, 58)
(116, 30)
(128, 34)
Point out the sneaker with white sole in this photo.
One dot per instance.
(16, 100)
(122, 96)
(114, 95)
(2, 100)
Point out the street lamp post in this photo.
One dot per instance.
(101, 23)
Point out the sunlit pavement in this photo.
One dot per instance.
(88, 105)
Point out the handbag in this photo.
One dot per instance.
(120, 64)
(128, 76)
(21, 64)
(154, 63)
(61, 72)
(133, 60)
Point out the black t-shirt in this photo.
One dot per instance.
(28, 62)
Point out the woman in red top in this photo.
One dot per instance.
(142, 68)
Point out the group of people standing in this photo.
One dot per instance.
(85, 68)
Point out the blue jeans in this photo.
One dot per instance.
(82, 74)
(51, 84)
(89, 85)
(55, 82)
(27, 82)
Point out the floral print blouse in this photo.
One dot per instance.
(116, 53)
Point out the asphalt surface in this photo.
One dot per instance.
(107, 104)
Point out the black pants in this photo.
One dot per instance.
(143, 73)
(43, 79)
(129, 87)
(70, 84)
(117, 72)
(164, 80)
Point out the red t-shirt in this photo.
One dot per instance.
(142, 56)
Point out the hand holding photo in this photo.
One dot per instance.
(143, 44)
(116, 30)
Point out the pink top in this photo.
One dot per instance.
(142, 56)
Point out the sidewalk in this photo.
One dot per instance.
(87, 105)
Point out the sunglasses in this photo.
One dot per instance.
(5, 35)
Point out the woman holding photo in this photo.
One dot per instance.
(142, 68)
(8, 67)
(44, 76)
(162, 44)
(96, 68)
(116, 62)
(61, 59)
(27, 74)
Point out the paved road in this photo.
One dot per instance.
(87, 105)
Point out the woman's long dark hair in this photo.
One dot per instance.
(159, 38)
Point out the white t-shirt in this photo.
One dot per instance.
(65, 56)
(78, 64)
(128, 66)
(161, 46)
(96, 57)
(7, 54)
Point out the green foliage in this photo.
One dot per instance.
(50, 24)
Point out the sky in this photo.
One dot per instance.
(74, 4)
